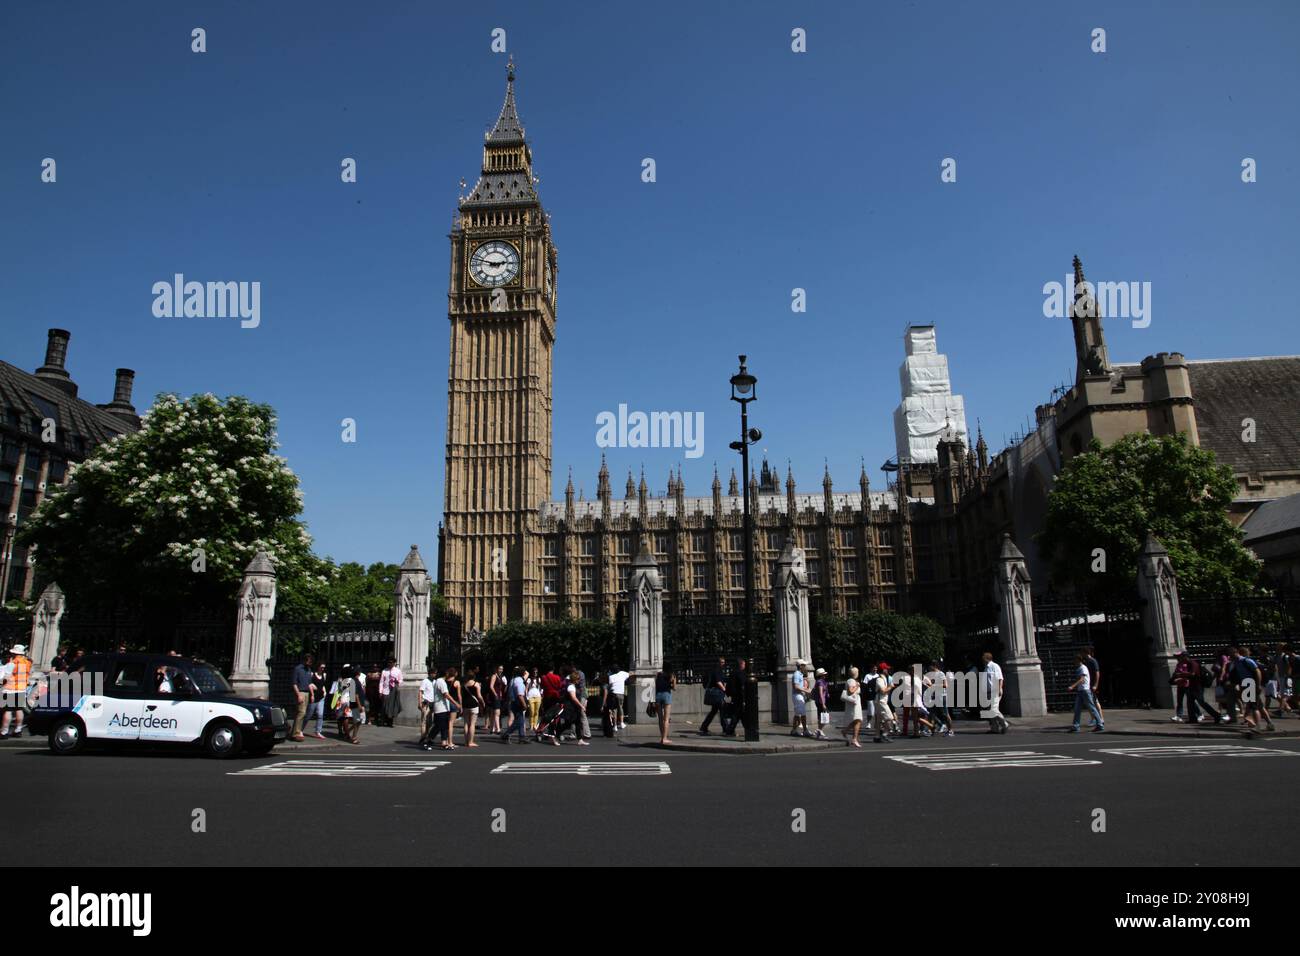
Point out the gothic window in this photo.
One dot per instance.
(737, 541)
(811, 539)
(588, 546)
(847, 538)
(549, 577)
(700, 576)
(552, 547)
(774, 540)
(624, 544)
(661, 544)
(587, 576)
(699, 542)
(886, 572)
(737, 574)
(849, 571)
(814, 573)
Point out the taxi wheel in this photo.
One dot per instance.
(222, 740)
(67, 736)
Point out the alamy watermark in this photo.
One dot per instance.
(208, 300)
(1106, 300)
(653, 430)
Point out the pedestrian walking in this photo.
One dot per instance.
(363, 696)
(994, 686)
(496, 696)
(821, 700)
(303, 685)
(884, 716)
(427, 694)
(1186, 680)
(582, 726)
(438, 702)
(616, 691)
(734, 714)
(17, 673)
(715, 695)
(852, 697)
(471, 700)
(518, 691)
(1082, 688)
(534, 699)
(390, 683)
(665, 682)
(316, 708)
(348, 705)
(937, 685)
(454, 706)
(1249, 683)
(1094, 677)
(799, 698)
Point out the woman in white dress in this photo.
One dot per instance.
(852, 697)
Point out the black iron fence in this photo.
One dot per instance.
(693, 643)
(1212, 624)
(362, 645)
(1063, 629)
(206, 635)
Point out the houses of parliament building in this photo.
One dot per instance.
(926, 542)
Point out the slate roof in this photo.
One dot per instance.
(20, 390)
(1266, 389)
(508, 128)
(1273, 517)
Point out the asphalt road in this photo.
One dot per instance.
(1006, 800)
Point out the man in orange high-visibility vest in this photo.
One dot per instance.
(17, 672)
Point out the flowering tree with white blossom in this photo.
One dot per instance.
(173, 513)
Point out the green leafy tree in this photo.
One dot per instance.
(868, 637)
(172, 514)
(351, 591)
(591, 644)
(1110, 498)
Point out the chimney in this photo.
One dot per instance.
(122, 392)
(121, 403)
(56, 352)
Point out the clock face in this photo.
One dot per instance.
(549, 285)
(494, 263)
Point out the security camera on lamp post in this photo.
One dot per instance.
(744, 389)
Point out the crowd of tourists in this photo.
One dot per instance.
(1245, 686)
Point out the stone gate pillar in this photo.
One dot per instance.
(1162, 619)
(413, 593)
(1026, 693)
(645, 616)
(251, 676)
(45, 626)
(793, 633)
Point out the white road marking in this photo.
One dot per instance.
(342, 768)
(1002, 759)
(589, 768)
(1200, 750)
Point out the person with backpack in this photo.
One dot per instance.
(348, 706)
(715, 695)
(734, 714)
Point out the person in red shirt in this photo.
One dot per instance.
(552, 696)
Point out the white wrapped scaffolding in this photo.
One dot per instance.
(929, 408)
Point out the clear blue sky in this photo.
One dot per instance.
(775, 171)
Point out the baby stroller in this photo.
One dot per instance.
(555, 720)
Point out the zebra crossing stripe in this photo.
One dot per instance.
(588, 768)
(342, 768)
(1200, 750)
(995, 759)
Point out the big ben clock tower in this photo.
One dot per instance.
(501, 305)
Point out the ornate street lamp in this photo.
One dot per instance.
(744, 390)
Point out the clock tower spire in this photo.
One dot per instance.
(501, 307)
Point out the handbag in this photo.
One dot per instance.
(652, 709)
(714, 697)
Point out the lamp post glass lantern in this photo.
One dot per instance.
(744, 389)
